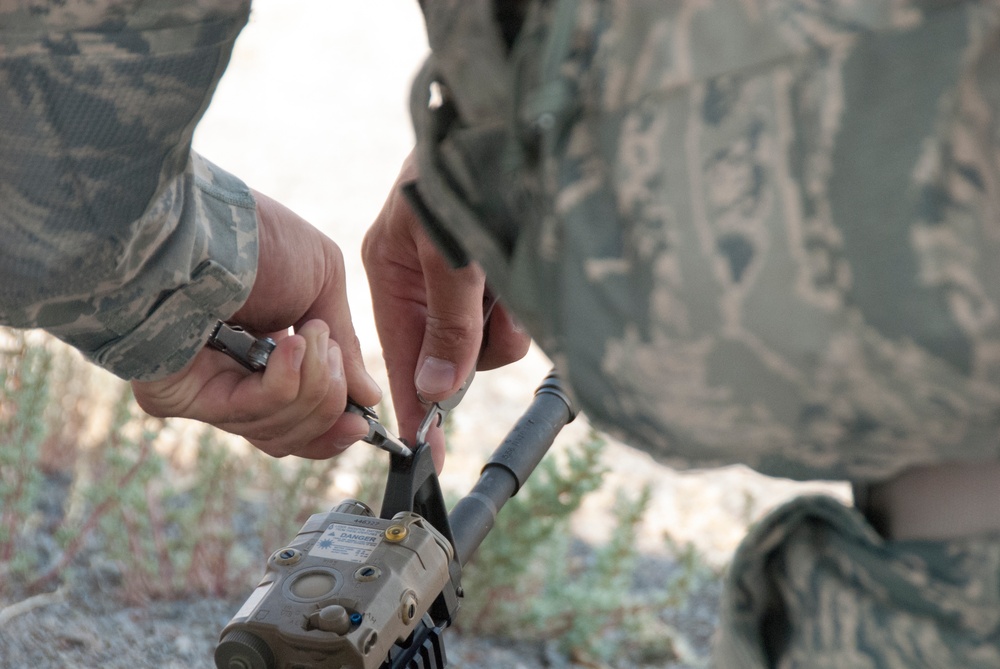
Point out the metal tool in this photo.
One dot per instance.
(250, 351)
(378, 436)
(253, 353)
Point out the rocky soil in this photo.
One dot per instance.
(87, 628)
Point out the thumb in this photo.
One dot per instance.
(453, 330)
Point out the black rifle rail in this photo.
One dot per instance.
(413, 486)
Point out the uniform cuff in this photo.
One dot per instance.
(220, 211)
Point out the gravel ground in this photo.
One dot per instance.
(85, 624)
(88, 629)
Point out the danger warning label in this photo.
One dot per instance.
(347, 542)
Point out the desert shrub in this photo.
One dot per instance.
(168, 519)
(532, 579)
(24, 395)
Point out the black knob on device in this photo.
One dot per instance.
(243, 650)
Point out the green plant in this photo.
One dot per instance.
(205, 515)
(371, 474)
(112, 496)
(505, 568)
(288, 492)
(24, 394)
(532, 579)
(589, 604)
(172, 524)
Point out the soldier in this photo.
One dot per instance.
(746, 232)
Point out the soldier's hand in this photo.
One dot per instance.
(297, 405)
(429, 315)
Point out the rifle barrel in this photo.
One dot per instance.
(510, 465)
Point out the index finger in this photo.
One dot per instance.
(331, 306)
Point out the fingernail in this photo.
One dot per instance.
(323, 355)
(298, 355)
(335, 362)
(435, 376)
(351, 436)
(341, 444)
(373, 384)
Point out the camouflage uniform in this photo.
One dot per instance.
(757, 231)
(814, 587)
(117, 238)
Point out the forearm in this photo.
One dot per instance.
(116, 238)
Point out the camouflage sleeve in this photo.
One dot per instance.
(117, 238)
(813, 585)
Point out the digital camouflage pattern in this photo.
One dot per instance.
(116, 237)
(761, 232)
(813, 586)
(757, 231)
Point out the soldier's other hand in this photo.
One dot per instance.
(296, 406)
(429, 315)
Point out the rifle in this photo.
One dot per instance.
(356, 591)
